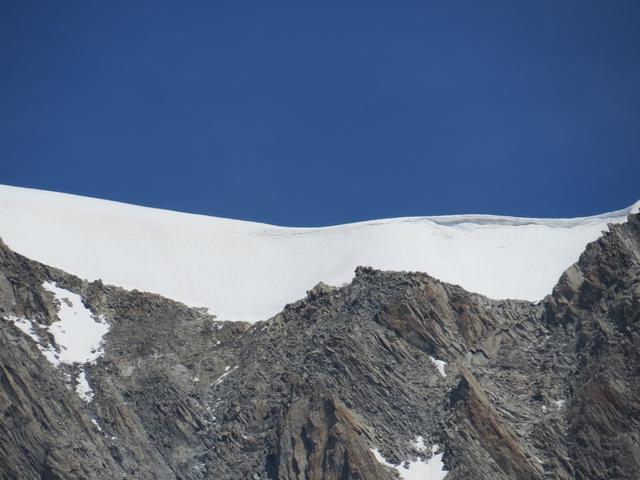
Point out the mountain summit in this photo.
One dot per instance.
(393, 375)
(249, 271)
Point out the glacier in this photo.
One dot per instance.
(248, 271)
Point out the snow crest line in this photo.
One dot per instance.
(248, 271)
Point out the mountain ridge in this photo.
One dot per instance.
(248, 272)
(443, 218)
(531, 391)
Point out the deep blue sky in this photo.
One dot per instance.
(312, 113)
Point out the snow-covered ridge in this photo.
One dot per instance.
(249, 271)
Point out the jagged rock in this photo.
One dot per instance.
(546, 390)
(481, 432)
(322, 439)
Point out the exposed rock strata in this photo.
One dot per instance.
(531, 391)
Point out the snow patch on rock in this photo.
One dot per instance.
(559, 403)
(227, 370)
(439, 364)
(429, 469)
(419, 444)
(26, 326)
(78, 333)
(83, 389)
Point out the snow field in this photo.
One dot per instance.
(249, 271)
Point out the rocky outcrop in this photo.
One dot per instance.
(598, 302)
(321, 438)
(482, 434)
(528, 391)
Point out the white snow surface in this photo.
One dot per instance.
(249, 271)
(77, 332)
(419, 444)
(559, 403)
(27, 327)
(227, 370)
(83, 389)
(439, 364)
(432, 469)
(97, 425)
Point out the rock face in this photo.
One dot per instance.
(528, 391)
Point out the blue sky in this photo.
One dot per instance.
(315, 113)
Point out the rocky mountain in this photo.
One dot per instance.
(393, 375)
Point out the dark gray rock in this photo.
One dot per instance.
(532, 391)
